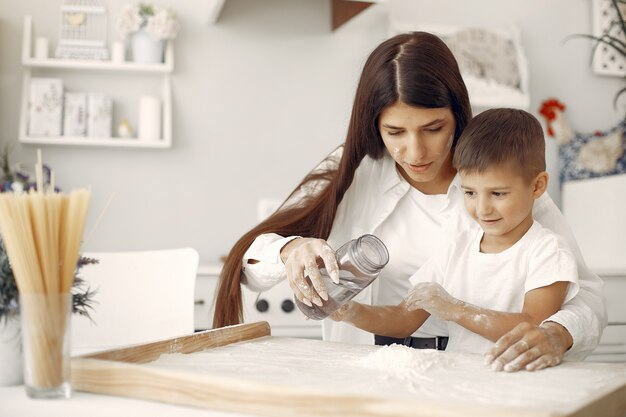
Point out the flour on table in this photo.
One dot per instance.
(398, 359)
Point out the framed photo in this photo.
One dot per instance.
(606, 60)
(491, 61)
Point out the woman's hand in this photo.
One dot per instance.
(529, 347)
(431, 297)
(303, 257)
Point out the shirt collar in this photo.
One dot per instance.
(453, 190)
(456, 183)
(392, 178)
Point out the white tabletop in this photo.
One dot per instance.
(15, 403)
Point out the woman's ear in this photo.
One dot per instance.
(540, 184)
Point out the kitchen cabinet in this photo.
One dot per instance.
(594, 209)
(204, 302)
(612, 347)
(70, 69)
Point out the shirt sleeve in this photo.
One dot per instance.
(269, 269)
(552, 261)
(584, 316)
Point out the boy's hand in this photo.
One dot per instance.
(431, 297)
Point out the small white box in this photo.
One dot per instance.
(45, 107)
(99, 116)
(75, 114)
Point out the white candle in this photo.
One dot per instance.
(41, 48)
(117, 52)
(149, 125)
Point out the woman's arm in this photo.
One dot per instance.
(539, 304)
(262, 265)
(582, 319)
(392, 321)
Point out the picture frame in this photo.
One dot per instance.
(606, 60)
(491, 60)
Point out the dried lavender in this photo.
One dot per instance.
(82, 294)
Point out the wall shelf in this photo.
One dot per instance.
(341, 10)
(167, 67)
(213, 10)
(85, 141)
(162, 70)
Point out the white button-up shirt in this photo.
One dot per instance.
(414, 226)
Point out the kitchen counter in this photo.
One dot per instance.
(15, 403)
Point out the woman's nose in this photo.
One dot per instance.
(415, 148)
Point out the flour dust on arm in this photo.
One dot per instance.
(539, 304)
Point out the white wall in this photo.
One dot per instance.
(263, 95)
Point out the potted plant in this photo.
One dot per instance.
(148, 28)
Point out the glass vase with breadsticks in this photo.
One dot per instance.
(42, 230)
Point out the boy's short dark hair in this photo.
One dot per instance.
(499, 137)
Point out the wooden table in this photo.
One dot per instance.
(244, 369)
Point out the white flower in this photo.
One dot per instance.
(160, 23)
(163, 25)
(129, 20)
(17, 187)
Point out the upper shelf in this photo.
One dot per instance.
(29, 61)
(213, 10)
(341, 10)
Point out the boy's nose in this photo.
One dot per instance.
(483, 207)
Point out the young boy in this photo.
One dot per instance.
(493, 277)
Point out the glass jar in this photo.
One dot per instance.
(360, 261)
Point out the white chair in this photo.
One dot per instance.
(140, 297)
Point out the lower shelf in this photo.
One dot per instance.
(86, 141)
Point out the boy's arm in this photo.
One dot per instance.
(539, 304)
(392, 321)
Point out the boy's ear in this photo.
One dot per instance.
(540, 184)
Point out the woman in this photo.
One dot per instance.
(395, 179)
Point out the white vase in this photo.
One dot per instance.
(11, 352)
(146, 49)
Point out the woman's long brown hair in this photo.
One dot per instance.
(417, 69)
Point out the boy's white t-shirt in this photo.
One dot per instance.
(498, 281)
